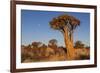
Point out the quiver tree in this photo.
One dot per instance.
(79, 44)
(66, 24)
(53, 43)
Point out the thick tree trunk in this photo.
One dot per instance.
(69, 45)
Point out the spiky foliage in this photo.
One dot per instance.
(53, 42)
(61, 21)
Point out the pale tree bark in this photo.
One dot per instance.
(69, 45)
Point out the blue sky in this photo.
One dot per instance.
(35, 27)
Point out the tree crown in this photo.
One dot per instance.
(61, 21)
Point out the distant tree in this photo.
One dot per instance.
(53, 43)
(36, 44)
(79, 44)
